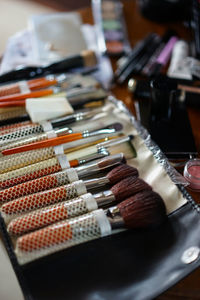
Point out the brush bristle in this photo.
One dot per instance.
(126, 147)
(128, 187)
(120, 172)
(111, 160)
(145, 209)
(116, 126)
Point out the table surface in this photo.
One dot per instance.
(138, 27)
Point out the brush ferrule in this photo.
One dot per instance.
(96, 182)
(114, 142)
(86, 133)
(63, 131)
(104, 198)
(91, 157)
(115, 218)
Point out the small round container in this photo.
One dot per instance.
(192, 173)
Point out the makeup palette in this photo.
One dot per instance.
(111, 28)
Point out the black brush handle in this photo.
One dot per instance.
(32, 71)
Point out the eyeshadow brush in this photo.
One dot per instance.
(40, 131)
(31, 202)
(78, 206)
(74, 159)
(19, 160)
(60, 178)
(73, 151)
(51, 142)
(143, 210)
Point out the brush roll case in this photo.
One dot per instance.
(128, 264)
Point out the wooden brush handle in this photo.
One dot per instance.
(33, 94)
(58, 236)
(12, 89)
(13, 127)
(9, 90)
(43, 144)
(51, 214)
(42, 199)
(25, 159)
(17, 104)
(36, 185)
(30, 172)
(41, 83)
(20, 133)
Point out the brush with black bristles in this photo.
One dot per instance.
(65, 176)
(145, 209)
(31, 202)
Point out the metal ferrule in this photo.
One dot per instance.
(104, 198)
(91, 157)
(114, 142)
(96, 182)
(114, 217)
(63, 131)
(87, 133)
(94, 167)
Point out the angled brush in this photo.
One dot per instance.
(38, 200)
(145, 209)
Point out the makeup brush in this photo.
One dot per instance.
(35, 88)
(139, 211)
(19, 160)
(72, 208)
(86, 58)
(62, 193)
(112, 128)
(67, 81)
(73, 159)
(60, 178)
(40, 131)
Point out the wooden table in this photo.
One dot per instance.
(138, 27)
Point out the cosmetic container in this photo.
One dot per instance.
(192, 173)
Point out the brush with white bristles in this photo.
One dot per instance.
(144, 209)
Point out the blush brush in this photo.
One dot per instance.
(143, 210)
(78, 206)
(60, 178)
(38, 200)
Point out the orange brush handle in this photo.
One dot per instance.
(41, 83)
(20, 96)
(12, 103)
(34, 84)
(44, 144)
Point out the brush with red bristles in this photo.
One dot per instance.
(60, 178)
(31, 202)
(144, 209)
(78, 206)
